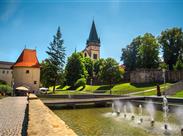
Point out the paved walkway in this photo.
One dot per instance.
(89, 100)
(141, 92)
(12, 111)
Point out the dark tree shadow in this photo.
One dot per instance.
(81, 88)
(105, 87)
(144, 84)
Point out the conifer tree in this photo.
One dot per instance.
(56, 53)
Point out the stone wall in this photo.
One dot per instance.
(154, 76)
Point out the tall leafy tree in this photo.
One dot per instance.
(98, 66)
(171, 41)
(56, 59)
(111, 71)
(89, 66)
(179, 64)
(148, 52)
(75, 69)
(129, 54)
(46, 74)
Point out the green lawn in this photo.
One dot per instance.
(117, 89)
(123, 88)
(179, 94)
(151, 93)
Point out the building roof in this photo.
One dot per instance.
(93, 37)
(28, 58)
(6, 63)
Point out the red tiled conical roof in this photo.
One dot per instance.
(28, 58)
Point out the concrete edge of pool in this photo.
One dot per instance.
(42, 121)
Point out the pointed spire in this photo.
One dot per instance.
(93, 37)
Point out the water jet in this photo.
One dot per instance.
(152, 123)
(132, 117)
(181, 131)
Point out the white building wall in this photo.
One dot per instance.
(29, 79)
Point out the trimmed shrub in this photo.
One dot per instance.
(6, 89)
(2, 82)
(80, 82)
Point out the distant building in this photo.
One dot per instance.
(26, 71)
(92, 49)
(6, 72)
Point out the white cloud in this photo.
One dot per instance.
(9, 11)
(115, 4)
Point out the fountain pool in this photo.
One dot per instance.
(107, 122)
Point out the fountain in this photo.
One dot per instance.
(116, 107)
(178, 113)
(146, 120)
(124, 108)
(165, 109)
(151, 111)
(152, 123)
(140, 113)
(131, 107)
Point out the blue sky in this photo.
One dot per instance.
(33, 23)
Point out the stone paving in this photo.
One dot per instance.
(12, 112)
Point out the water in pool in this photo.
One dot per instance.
(102, 122)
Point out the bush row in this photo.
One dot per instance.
(5, 90)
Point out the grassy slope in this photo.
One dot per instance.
(179, 94)
(123, 88)
(154, 92)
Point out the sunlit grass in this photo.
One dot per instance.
(179, 94)
(117, 89)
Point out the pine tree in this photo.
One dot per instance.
(56, 53)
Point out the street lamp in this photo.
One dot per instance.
(164, 77)
(110, 71)
(91, 83)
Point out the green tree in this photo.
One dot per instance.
(75, 69)
(148, 52)
(130, 54)
(89, 66)
(163, 65)
(111, 72)
(171, 41)
(56, 59)
(142, 52)
(179, 64)
(46, 74)
(98, 66)
(80, 82)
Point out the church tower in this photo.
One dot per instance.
(92, 49)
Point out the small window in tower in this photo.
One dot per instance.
(85, 55)
(3, 71)
(94, 56)
(35, 82)
(27, 71)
